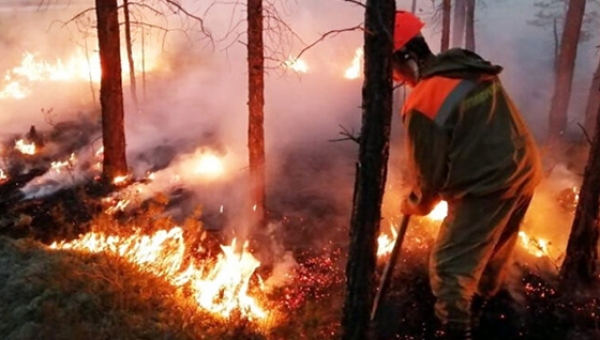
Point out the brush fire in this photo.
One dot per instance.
(170, 246)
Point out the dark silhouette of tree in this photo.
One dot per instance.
(593, 103)
(371, 168)
(470, 31)
(446, 15)
(459, 22)
(579, 267)
(565, 68)
(111, 92)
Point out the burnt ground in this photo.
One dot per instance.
(309, 200)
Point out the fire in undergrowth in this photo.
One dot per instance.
(354, 71)
(221, 286)
(537, 247)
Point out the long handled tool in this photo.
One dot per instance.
(384, 284)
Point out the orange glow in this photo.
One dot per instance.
(209, 165)
(120, 180)
(439, 212)
(385, 243)
(59, 166)
(25, 148)
(3, 176)
(220, 287)
(355, 70)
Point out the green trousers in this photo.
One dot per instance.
(471, 252)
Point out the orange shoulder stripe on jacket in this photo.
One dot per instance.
(429, 95)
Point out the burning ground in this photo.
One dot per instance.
(78, 261)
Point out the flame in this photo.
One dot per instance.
(3, 176)
(77, 67)
(209, 165)
(220, 287)
(439, 212)
(120, 180)
(25, 148)
(355, 70)
(385, 243)
(119, 206)
(58, 166)
(536, 246)
(296, 64)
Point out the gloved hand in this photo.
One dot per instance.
(412, 204)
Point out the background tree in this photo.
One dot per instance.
(470, 24)
(579, 267)
(593, 103)
(459, 22)
(371, 168)
(256, 102)
(565, 68)
(128, 45)
(111, 92)
(446, 14)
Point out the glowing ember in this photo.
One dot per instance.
(3, 176)
(209, 165)
(439, 212)
(355, 70)
(536, 246)
(297, 65)
(24, 147)
(119, 206)
(220, 287)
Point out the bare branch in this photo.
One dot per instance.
(325, 35)
(586, 134)
(348, 135)
(356, 2)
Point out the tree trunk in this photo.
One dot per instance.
(256, 102)
(446, 13)
(579, 268)
(470, 31)
(132, 85)
(459, 23)
(413, 7)
(371, 168)
(566, 66)
(593, 103)
(111, 91)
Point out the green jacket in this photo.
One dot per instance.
(464, 134)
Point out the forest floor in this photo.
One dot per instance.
(68, 294)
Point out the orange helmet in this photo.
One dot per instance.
(407, 27)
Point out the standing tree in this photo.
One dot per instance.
(128, 44)
(459, 22)
(371, 168)
(565, 68)
(593, 103)
(256, 103)
(470, 31)
(413, 7)
(579, 268)
(446, 13)
(111, 91)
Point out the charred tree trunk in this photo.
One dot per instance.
(256, 103)
(413, 7)
(128, 44)
(579, 268)
(111, 91)
(593, 103)
(565, 68)
(470, 31)
(371, 168)
(446, 13)
(459, 23)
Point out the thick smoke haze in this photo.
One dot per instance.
(196, 90)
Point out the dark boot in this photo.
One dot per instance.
(454, 331)
(478, 306)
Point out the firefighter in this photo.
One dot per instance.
(467, 144)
